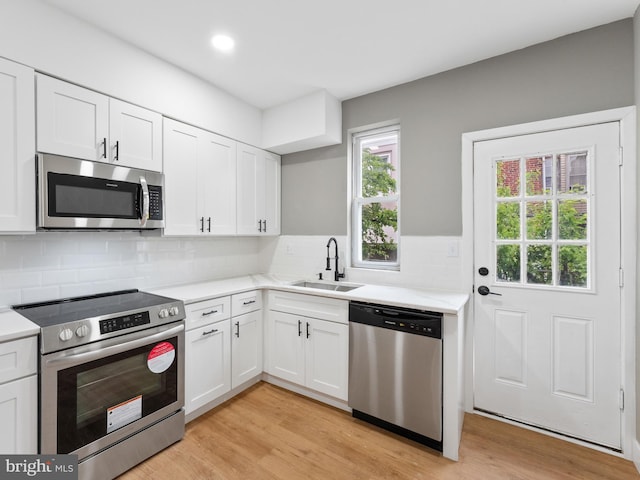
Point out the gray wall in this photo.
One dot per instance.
(584, 72)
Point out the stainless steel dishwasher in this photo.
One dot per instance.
(395, 370)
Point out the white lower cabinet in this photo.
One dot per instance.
(246, 347)
(309, 351)
(246, 337)
(207, 364)
(223, 348)
(19, 397)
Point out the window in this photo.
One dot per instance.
(376, 199)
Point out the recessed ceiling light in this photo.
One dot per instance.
(224, 43)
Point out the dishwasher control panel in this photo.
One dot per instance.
(416, 322)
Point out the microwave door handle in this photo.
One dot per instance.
(144, 214)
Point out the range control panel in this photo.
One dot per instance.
(124, 322)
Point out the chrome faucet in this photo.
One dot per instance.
(336, 275)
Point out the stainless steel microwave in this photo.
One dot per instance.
(80, 194)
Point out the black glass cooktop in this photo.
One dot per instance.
(66, 310)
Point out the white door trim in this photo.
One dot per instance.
(627, 118)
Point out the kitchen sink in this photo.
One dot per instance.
(326, 286)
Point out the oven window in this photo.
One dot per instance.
(97, 398)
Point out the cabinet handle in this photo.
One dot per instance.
(104, 147)
(249, 302)
(308, 334)
(209, 225)
(205, 314)
(116, 157)
(238, 329)
(259, 225)
(202, 224)
(299, 328)
(264, 222)
(209, 332)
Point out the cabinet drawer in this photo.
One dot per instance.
(324, 308)
(209, 311)
(18, 358)
(246, 302)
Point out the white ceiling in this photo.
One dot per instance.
(289, 48)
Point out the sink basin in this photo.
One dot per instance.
(336, 287)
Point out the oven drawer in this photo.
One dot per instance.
(246, 302)
(18, 358)
(209, 311)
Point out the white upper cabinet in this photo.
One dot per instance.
(258, 193)
(17, 152)
(217, 185)
(200, 181)
(135, 136)
(76, 122)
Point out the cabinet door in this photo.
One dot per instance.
(271, 194)
(286, 347)
(207, 364)
(19, 416)
(181, 178)
(17, 153)
(72, 121)
(246, 347)
(248, 190)
(217, 185)
(135, 136)
(327, 357)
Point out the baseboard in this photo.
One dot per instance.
(320, 397)
(636, 454)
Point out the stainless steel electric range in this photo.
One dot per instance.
(111, 378)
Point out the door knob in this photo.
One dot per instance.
(484, 290)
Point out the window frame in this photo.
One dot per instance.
(357, 201)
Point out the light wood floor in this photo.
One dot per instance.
(269, 433)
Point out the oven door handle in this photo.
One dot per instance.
(69, 358)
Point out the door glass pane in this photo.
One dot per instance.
(572, 172)
(539, 268)
(572, 219)
(508, 263)
(538, 175)
(572, 265)
(508, 178)
(539, 220)
(380, 231)
(508, 221)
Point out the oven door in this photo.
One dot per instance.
(99, 394)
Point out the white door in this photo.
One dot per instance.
(286, 347)
(217, 185)
(207, 364)
(135, 136)
(248, 166)
(271, 224)
(72, 121)
(17, 149)
(246, 347)
(181, 153)
(327, 357)
(547, 346)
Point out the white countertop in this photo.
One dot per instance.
(439, 301)
(14, 326)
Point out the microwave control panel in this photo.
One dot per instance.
(155, 202)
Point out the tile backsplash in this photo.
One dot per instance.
(51, 265)
(426, 262)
